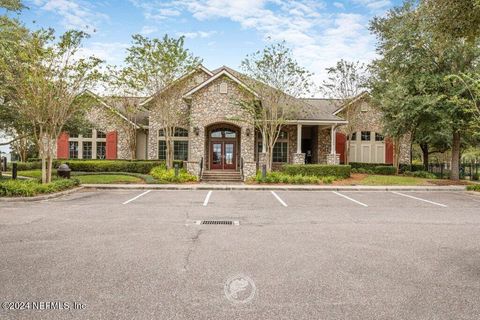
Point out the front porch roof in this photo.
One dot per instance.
(317, 122)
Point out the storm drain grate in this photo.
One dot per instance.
(219, 222)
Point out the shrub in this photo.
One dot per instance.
(476, 177)
(410, 167)
(317, 170)
(366, 166)
(134, 166)
(475, 187)
(28, 188)
(281, 177)
(423, 174)
(167, 176)
(385, 170)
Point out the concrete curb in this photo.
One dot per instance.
(269, 187)
(42, 197)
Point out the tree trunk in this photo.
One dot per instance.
(396, 154)
(424, 147)
(455, 173)
(44, 168)
(347, 151)
(170, 154)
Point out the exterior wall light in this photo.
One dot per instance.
(247, 132)
(196, 130)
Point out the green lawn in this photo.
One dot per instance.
(378, 180)
(108, 178)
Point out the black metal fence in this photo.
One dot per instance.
(468, 170)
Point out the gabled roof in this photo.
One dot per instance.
(109, 107)
(186, 75)
(354, 100)
(219, 73)
(317, 109)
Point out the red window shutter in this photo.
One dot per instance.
(111, 152)
(388, 151)
(62, 146)
(340, 146)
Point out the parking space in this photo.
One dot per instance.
(137, 254)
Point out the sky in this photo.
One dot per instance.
(221, 32)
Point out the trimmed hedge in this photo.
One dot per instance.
(403, 167)
(134, 166)
(29, 188)
(281, 177)
(317, 170)
(367, 166)
(385, 170)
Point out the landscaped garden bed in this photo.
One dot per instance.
(30, 188)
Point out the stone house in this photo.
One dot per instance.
(216, 136)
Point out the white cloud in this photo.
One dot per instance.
(374, 4)
(112, 52)
(146, 30)
(318, 38)
(197, 34)
(76, 14)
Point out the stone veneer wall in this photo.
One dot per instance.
(106, 120)
(324, 144)
(209, 106)
(367, 117)
(154, 120)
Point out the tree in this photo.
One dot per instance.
(278, 81)
(153, 67)
(46, 77)
(410, 79)
(346, 81)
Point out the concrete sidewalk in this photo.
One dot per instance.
(205, 186)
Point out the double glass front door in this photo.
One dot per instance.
(222, 155)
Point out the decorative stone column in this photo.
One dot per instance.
(298, 158)
(333, 158)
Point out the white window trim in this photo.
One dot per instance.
(260, 140)
(162, 138)
(93, 139)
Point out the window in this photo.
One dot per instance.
(223, 133)
(280, 149)
(180, 150)
(73, 149)
(73, 135)
(101, 134)
(101, 150)
(162, 150)
(280, 152)
(379, 137)
(87, 134)
(180, 132)
(87, 150)
(365, 135)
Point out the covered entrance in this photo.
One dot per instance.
(223, 147)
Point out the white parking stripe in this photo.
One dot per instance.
(279, 199)
(134, 198)
(342, 195)
(420, 199)
(207, 198)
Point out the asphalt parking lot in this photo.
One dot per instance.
(136, 254)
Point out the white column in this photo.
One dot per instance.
(299, 138)
(332, 140)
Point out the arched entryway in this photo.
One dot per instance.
(223, 147)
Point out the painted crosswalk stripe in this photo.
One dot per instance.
(135, 198)
(279, 199)
(420, 199)
(207, 198)
(344, 196)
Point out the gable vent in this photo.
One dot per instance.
(223, 87)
